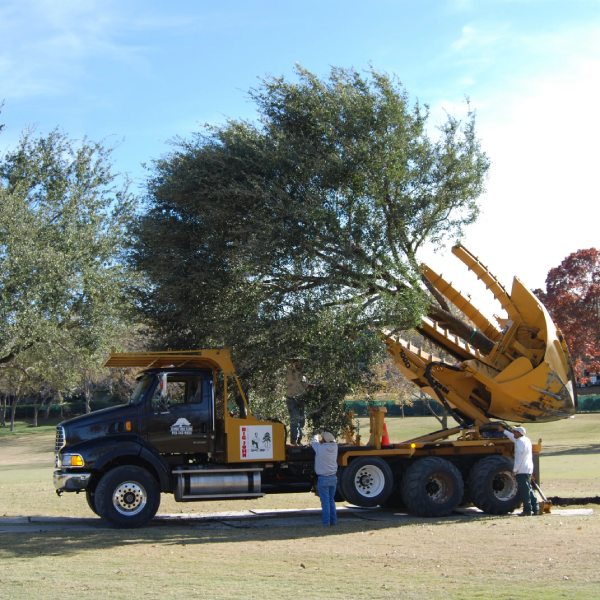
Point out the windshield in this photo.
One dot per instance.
(142, 387)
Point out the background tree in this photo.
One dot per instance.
(572, 298)
(257, 234)
(386, 380)
(63, 279)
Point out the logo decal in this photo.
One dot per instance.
(256, 442)
(181, 427)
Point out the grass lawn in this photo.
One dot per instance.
(456, 557)
(488, 558)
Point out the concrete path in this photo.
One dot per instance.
(234, 519)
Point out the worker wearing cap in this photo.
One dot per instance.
(523, 469)
(326, 453)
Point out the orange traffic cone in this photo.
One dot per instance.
(385, 440)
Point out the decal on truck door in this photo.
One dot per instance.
(181, 427)
(256, 442)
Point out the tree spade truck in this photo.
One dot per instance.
(176, 434)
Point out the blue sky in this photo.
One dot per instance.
(144, 72)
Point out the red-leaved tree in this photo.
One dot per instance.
(572, 298)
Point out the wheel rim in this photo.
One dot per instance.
(439, 488)
(504, 486)
(369, 481)
(129, 498)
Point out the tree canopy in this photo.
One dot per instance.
(62, 237)
(258, 234)
(572, 297)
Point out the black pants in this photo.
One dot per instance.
(530, 501)
(297, 419)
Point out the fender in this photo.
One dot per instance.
(163, 470)
(97, 453)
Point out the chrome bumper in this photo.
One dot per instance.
(71, 482)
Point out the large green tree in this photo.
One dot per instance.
(63, 280)
(256, 232)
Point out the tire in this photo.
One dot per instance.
(91, 500)
(127, 497)
(492, 487)
(432, 487)
(367, 482)
(339, 494)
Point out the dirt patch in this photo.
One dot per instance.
(558, 501)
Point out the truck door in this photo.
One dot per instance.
(179, 415)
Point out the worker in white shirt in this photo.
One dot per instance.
(326, 453)
(523, 469)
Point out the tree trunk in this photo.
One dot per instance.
(426, 403)
(445, 419)
(463, 330)
(15, 402)
(87, 391)
(402, 409)
(36, 408)
(48, 407)
(44, 400)
(3, 410)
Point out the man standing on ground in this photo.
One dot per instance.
(326, 453)
(296, 384)
(523, 469)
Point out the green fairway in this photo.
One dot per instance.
(456, 557)
(570, 466)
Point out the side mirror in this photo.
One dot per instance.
(163, 405)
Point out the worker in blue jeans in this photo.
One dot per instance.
(326, 453)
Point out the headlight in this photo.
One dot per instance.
(71, 460)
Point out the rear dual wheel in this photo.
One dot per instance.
(367, 482)
(492, 487)
(432, 487)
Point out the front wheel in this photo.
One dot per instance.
(367, 482)
(127, 497)
(432, 487)
(493, 488)
(91, 500)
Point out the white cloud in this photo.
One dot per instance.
(476, 37)
(46, 44)
(460, 5)
(466, 38)
(541, 131)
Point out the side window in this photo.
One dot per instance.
(175, 390)
(195, 391)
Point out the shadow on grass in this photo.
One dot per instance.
(569, 450)
(68, 543)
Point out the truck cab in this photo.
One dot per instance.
(176, 435)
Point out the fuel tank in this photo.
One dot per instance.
(210, 484)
